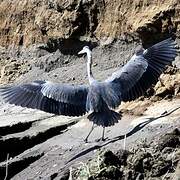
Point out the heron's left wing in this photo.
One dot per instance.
(50, 97)
(158, 57)
(126, 77)
(142, 71)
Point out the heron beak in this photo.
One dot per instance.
(81, 52)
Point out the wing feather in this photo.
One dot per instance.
(49, 97)
(158, 57)
(130, 73)
(142, 71)
(125, 78)
(65, 93)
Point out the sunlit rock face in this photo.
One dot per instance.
(49, 33)
(24, 22)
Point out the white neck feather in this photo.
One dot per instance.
(89, 64)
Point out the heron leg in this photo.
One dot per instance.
(102, 138)
(86, 139)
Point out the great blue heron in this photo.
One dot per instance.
(99, 98)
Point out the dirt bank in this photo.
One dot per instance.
(158, 159)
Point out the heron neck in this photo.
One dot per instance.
(89, 65)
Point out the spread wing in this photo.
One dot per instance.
(50, 97)
(125, 78)
(142, 71)
(158, 57)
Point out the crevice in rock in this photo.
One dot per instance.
(15, 128)
(82, 22)
(21, 41)
(95, 13)
(16, 145)
(17, 166)
(43, 31)
(159, 29)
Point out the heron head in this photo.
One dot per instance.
(85, 50)
(139, 50)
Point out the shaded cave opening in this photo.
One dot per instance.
(70, 46)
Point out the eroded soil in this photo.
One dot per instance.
(157, 159)
(54, 148)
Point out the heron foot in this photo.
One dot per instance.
(101, 139)
(86, 140)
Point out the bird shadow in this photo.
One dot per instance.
(130, 133)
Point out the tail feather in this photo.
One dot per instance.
(105, 118)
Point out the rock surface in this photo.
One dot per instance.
(57, 149)
(155, 160)
(45, 21)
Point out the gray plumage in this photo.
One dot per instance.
(49, 97)
(99, 98)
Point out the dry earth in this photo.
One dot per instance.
(44, 147)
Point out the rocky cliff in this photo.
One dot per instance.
(24, 22)
(30, 29)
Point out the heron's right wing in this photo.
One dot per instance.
(50, 97)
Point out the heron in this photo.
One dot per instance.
(98, 98)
